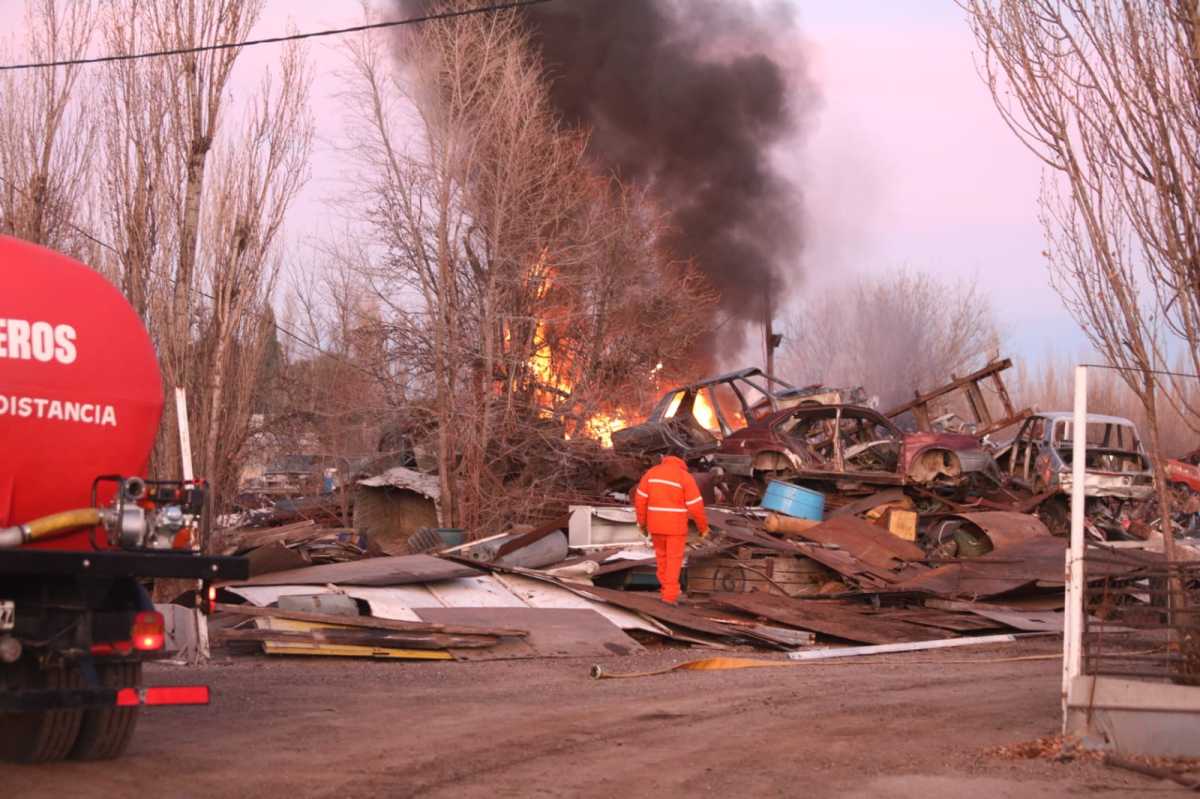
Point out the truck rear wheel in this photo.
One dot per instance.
(105, 733)
(45, 736)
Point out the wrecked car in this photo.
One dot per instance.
(847, 445)
(1184, 474)
(1118, 473)
(693, 420)
(1039, 457)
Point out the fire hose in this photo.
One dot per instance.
(48, 527)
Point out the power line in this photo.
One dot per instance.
(1139, 369)
(277, 39)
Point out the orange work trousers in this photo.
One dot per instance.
(668, 557)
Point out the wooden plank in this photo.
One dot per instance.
(368, 638)
(339, 650)
(922, 399)
(256, 537)
(777, 574)
(366, 622)
(838, 620)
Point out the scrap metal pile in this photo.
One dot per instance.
(831, 523)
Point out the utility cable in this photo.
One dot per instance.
(276, 39)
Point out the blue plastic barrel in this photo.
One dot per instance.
(792, 500)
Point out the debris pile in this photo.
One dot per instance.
(832, 524)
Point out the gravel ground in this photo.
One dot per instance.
(906, 726)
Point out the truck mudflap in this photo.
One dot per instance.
(36, 700)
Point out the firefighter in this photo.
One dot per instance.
(665, 498)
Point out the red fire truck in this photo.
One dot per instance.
(81, 533)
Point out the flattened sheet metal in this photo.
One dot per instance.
(1028, 620)
(865, 504)
(385, 603)
(484, 591)
(495, 590)
(1019, 565)
(1006, 529)
(866, 542)
(553, 632)
(844, 621)
(942, 620)
(539, 594)
(396, 570)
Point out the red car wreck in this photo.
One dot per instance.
(848, 446)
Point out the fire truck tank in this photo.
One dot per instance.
(80, 390)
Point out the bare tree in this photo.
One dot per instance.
(196, 197)
(895, 334)
(504, 252)
(1108, 96)
(256, 177)
(46, 134)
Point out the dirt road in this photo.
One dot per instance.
(338, 728)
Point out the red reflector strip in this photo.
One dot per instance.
(164, 695)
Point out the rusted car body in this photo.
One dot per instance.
(692, 420)
(848, 444)
(1039, 457)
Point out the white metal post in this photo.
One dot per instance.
(185, 435)
(1074, 622)
(185, 453)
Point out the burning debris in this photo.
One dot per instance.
(831, 524)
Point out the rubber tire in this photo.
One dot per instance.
(105, 733)
(46, 736)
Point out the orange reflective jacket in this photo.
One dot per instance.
(666, 497)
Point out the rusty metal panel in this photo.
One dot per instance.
(1006, 529)
(866, 542)
(841, 620)
(1019, 565)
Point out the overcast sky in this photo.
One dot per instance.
(905, 163)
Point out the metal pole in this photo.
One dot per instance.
(1074, 622)
(185, 436)
(202, 651)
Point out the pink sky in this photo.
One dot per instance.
(906, 162)
(910, 165)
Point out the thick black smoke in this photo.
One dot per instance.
(687, 98)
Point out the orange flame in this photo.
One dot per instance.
(702, 409)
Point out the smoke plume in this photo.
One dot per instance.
(689, 99)
(685, 97)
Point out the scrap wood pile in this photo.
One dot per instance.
(292, 546)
